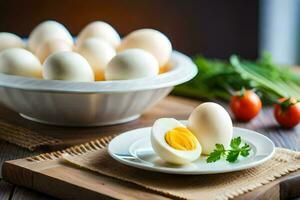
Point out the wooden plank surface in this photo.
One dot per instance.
(264, 124)
(6, 190)
(21, 193)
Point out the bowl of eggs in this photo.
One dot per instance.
(97, 78)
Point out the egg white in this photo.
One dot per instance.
(164, 150)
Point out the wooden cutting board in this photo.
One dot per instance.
(64, 181)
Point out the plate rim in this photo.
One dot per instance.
(184, 172)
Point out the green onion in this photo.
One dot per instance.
(219, 78)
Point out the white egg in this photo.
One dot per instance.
(20, 62)
(131, 64)
(51, 46)
(150, 40)
(176, 154)
(9, 40)
(67, 65)
(45, 31)
(98, 53)
(99, 29)
(212, 125)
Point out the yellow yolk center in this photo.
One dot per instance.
(181, 138)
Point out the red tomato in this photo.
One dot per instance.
(245, 105)
(287, 112)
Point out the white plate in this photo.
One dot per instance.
(134, 148)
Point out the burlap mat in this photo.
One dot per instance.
(218, 186)
(24, 137)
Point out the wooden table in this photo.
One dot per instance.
(264, 123)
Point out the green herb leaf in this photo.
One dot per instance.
(220, 147)
(235, 143)
(233, 155)
(216, 154)
(245, 150)
(230, 154)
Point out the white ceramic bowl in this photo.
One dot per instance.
(91, 104)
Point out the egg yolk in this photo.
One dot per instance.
(164, 69)
(181, 138)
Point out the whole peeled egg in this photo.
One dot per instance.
(45, 31)
(98, 53)
(99, 29)
(10, 40)
(150, 40)
(131, 64)
(51, 46)
(67, 65)
(212, 125)
(20, 62)
(173, 142)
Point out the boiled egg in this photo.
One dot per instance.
(173, 142)
(51, 46)
(45, 31)
(165, 68)
(98, 53)
(20, 62)
(131, 64)
(99, 29)
(212, 125)
(9, 40)
(150, 40)
(67, 65)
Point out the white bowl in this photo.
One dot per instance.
(91, 104)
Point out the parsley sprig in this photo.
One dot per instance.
(230, 154)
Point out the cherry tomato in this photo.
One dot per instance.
(287, 112)
(245, 105)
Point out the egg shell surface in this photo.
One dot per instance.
(48, 30)
(20, 62)
(10, 40)
(212, 125)
(67, 65)
(98, 53)
(150, 40)
(51, 46)
(99, 29)
(131, 64)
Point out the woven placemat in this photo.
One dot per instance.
(218, 186)
(93, 156)
(24, 137)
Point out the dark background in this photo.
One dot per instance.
(212, 28)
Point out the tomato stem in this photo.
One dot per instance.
(284, 105)
(242, 92)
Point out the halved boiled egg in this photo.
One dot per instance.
(173, 142)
